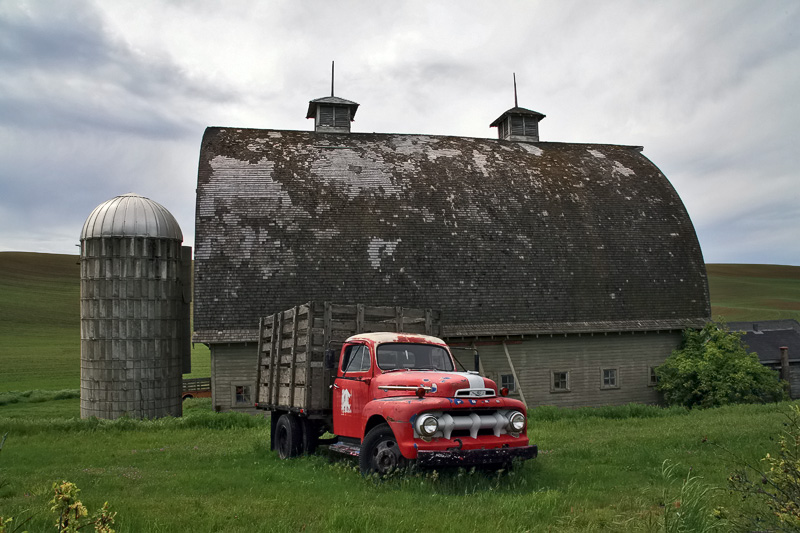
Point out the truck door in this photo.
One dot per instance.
(351, 390)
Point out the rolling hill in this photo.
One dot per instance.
(40, 314)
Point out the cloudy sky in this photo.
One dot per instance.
(100, 98)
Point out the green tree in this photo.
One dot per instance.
(713, 368)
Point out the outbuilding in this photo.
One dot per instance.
(777, 344)
(573, 268)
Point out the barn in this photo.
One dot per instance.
(571, 267)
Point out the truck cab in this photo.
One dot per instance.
(399, 397)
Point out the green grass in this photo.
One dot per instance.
(754, 292)
(40, 323)
(598, 470)
(40, 315)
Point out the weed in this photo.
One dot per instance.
(692, 510)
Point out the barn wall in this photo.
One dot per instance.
(584, 357)
(233, 365)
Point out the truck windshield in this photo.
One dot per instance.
(403, 356)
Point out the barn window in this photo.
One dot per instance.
(242, 395)
(559, 381)
(609, 378)
(507, 381)
(653, 377)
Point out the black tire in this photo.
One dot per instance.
(380, 453)
(310, 436)
(288, 436)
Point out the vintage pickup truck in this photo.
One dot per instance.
(389, 397)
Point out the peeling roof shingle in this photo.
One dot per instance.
(494, 233)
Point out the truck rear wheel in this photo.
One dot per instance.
(380, 453)
(288, 436)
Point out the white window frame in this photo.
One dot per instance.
(553, 388)
(603, 384)
(234, 402)
(508, 377)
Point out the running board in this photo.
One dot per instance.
(345, 448)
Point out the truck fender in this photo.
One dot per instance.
(373, 421)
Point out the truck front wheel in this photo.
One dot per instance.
(288, 436)
(379, 452)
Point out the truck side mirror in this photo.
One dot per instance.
(330, 359)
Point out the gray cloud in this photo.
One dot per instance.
(102, 98)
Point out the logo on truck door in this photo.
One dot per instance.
(346, 400)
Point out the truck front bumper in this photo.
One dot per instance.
(476, 457)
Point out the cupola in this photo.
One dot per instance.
(518, 123)
(332, 114)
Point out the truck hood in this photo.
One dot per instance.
(444, 384)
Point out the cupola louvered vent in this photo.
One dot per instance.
(332, 114)
(518, 124)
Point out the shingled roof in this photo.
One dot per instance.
(766, 337)
(503, 237)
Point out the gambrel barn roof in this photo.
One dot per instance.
(504, 237)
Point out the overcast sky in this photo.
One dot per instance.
(103, 98)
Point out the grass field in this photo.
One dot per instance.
(598, 469)
(40, 315)
(40, 323)
(754, 292)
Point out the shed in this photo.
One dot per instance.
(767, 339)
(573, 266)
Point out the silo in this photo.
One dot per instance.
(135, 294)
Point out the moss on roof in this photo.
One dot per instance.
(499, 235)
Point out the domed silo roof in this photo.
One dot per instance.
(131, 215)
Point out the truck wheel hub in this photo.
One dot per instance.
(386, 456)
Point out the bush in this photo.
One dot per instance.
(712, 368)
(774, 489)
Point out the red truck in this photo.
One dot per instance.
(390, 396)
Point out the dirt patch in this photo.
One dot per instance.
(791, 305)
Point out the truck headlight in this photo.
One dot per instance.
(516, 422)
(427, 425)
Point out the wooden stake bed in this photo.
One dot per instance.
(292, 344)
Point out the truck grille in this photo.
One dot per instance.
(472, 424)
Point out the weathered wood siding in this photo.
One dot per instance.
(292, 344)
(584, 357)
(233, 365)
(794, 377)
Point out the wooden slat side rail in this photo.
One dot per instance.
(277, 326)
(292, 345)
(294, 356)
(309, 314)
(260, 348)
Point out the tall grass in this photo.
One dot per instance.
(597, 470)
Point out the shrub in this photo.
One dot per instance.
(73, 515)
(775, 488)
(713, 368)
